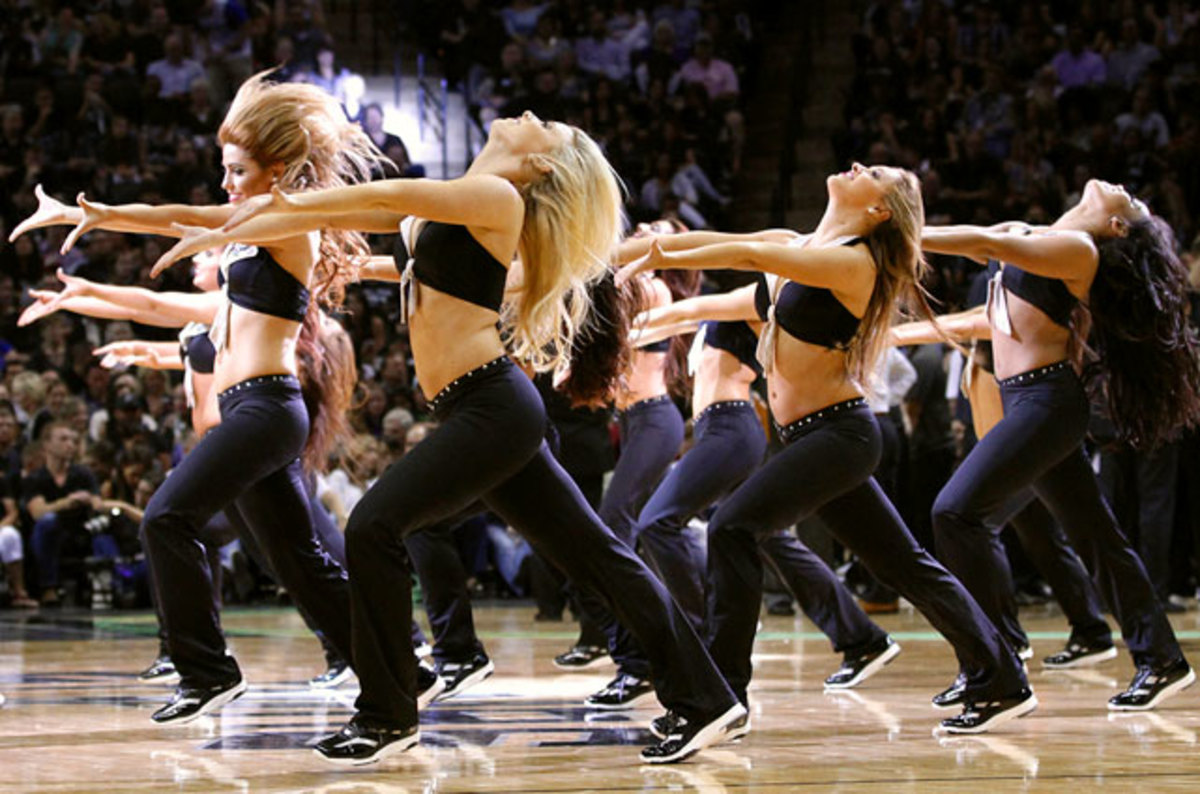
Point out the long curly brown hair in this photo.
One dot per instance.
(328, 375)
(1143, 352)
(305, 129)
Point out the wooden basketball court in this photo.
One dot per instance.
(78, 720)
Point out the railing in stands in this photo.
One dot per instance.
(433, 103)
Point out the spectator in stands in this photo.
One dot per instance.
(716, 75)
(10, 447)
(520, 18)
(59, 495)
(1144, 118)
(396, 424)
(1078, 65)
(175, 71)
(1129, 59)
(684, 19)
(12, 552)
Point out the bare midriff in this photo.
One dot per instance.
(1035, 342)
(720, 377)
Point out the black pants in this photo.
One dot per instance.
(651, 434)
(490, 444)
(825, 468)
(729, 445)
(1050, 553)
(1143, 483)
(1037, 444)
(251, 459)
(443, 579)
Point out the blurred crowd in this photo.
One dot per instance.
(123, 100)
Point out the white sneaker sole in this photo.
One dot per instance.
(468, 682)
(171, 679)
(395, 748)
(877, 664)
(1085, 661)
(228, 696)
(1165, 693)
(714, 732)
(424, 699)
(1022, 709)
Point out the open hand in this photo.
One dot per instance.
(50, 212)
(192, 240)
(648, 263)
(94, 214)
(254, 206)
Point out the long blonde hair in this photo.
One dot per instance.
(573, 222)
(305, 129)
(895, 245)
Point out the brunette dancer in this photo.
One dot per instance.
(545, 190)
(1111, 253)
(651, 432)
(1090, 641)
(827, 302)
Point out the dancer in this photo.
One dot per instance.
(326, 368)
(651, 432)
(1090, 641)
(827, 300)
(728, 445)
(295, 136)
(1110, 253)
(545, 190)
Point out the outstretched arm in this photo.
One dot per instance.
(165, 309)
(647, 335)
(488, 202)
(135, 353)
(481, 201)
(838, 268)
(1067, 255)
(634, 247)
(961, 327)
(727, 306)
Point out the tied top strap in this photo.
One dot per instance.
(408, 291)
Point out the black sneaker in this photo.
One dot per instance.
(854, 671)
(687, 739)
(335, 675)
(1079, 655)
(429, 685)
(161, 670)
(982, 717)
(623, 692)
(358, 743)
(954, 696)
(581, 657)
(1150, 687)
(663, 726)
(461, 676)
(190, 703)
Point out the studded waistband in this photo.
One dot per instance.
(789, 432)
(723, 406)
(1034, 374)
(450, 389)
(649, 402)
(261, 380)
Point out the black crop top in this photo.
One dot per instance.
(734, 338)
(452, 261)
(811, 314)
(198, 351)
(258, 283)
(1048, 294)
